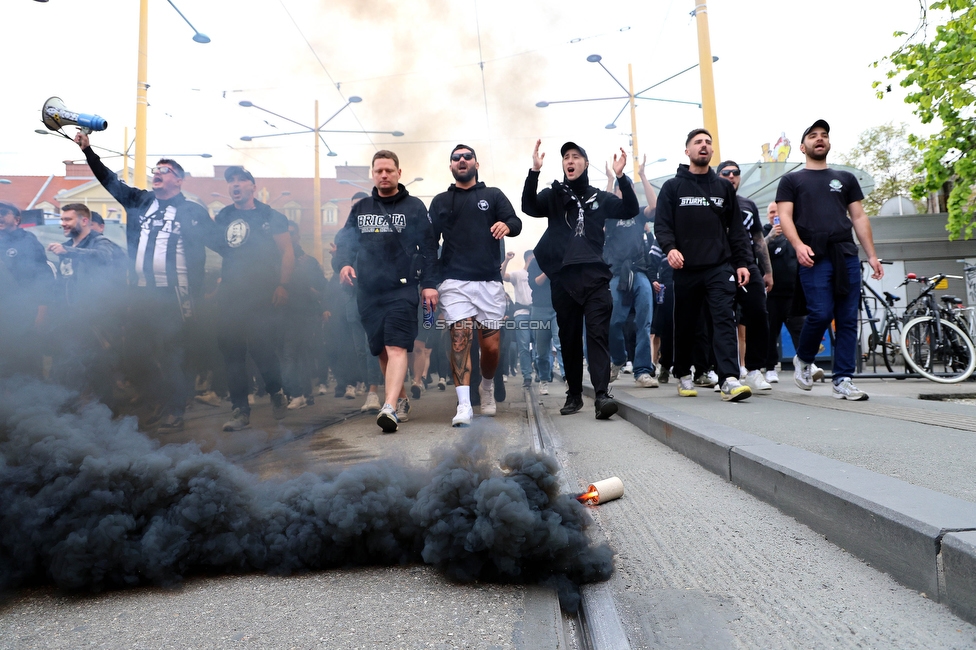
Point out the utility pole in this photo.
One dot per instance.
(142, 101)
(707, 79)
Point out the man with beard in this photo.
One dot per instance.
(472, 218)
(814, 204)
(699, 228)
(570, 253)
(258, 262)
(165, 233)
(24, 304)
(93, 272)
(386, 249)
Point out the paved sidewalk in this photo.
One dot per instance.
(890, 479)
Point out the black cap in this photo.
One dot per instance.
(97, 218)
(572, 145)
(9, 207)
(464, 146)
(240, 172)
(819, 123)
(727, 163)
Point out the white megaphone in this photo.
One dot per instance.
(56, 116)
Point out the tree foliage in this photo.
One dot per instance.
(885, 153)
(939, 72)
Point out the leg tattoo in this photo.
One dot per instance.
(461, 352)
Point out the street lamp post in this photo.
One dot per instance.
(631, 98)
(316, 132)
(142, 86)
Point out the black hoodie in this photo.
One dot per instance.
(698, 214)
(559, 246)
(464, 218)
(379, 239)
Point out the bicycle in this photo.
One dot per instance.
(933, 341)
(884, 337)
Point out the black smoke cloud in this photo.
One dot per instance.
(90, 503)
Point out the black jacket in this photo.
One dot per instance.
(698, 215)
(379, 240)
(93, 270)
(194, 220)
(464, 217)
(555, 249)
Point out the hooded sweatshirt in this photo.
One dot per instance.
(577, 213)
(380, 237)
(698, 215)
(464, 217)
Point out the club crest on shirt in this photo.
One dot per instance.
(836, 186)
(11, 252)
(483, 205)
(236, 233)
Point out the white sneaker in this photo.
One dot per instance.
(487, 401)
(628, 368)
(801, 374)
(387, 419)
(209, 398)
(816, 373)
(543, 388)
(350, 392)
(772, 376)
(403, 409)
(733, 391)
(463, 417)
(847, 390)
(615, 372)
(713, 377)
(686, 387)
(645, 380)
(372, 404)
(297, 403)
(322, 389)
(755, 381)
(361, 388)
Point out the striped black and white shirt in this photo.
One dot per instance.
(161, 256)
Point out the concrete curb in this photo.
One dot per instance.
(924, 539)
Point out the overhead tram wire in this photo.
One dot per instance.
(484, 91)
(326, 70)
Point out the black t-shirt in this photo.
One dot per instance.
(541, 293)
(252, 261)
(624, 242)
(820, 198)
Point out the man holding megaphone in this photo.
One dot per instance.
(166, 235)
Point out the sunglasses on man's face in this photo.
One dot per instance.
(164, 170)
(730, 172)
(458, 156)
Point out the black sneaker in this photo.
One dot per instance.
(170, 424)
(526, 383)
(279, 405)
(415, 391)
(237, 421)
(573, 404)
(605, 407)
(664, 376)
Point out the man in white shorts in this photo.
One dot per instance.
(472, 218)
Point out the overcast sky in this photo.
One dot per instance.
(416, 66)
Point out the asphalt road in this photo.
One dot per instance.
(700, 564)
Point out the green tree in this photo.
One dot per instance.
(885, 153)
(939, 72)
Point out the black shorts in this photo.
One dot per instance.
(389, 322)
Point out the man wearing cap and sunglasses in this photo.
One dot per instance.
(814, 204)
(570, 252)
(472, 218)
(259, 259)
(166, 235)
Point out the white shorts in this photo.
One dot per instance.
(483, 301)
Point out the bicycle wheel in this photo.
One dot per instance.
(891, 344)
(946, 359)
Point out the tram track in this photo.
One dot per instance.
(596, 625)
